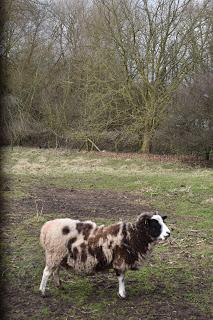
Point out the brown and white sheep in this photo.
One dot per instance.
(86, 247)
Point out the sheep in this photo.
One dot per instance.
(86, 248)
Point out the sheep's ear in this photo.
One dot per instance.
(164, 218)
(144, 217)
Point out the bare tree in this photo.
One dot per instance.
(153, 41)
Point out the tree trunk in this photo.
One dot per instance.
(146, 144)
(208, 152)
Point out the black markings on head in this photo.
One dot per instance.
(151, 227)
(154, 228)
(65, 230)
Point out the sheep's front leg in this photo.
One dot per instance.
(121, 290)
(46, 274)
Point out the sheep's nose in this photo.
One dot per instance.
(167, 234)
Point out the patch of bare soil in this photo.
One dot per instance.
(79, 204)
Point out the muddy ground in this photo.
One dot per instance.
(22, 301)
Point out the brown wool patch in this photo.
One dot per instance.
(110, 244)
(139, 239)
(103, 233)
(70, 243)
(128, 251)
(100, 256)
(85, 228)
(83, 253)
(65, 230)
(79, 226)
(64, 262)
(114, 229)
(75, 253)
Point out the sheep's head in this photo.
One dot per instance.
(154, 225)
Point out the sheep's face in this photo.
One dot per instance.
(157, 228)
(154, 226)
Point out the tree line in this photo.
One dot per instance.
(131, 75)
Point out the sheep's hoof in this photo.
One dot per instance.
(58, 284)
(121, 296)
(44, 294)
(60, 287)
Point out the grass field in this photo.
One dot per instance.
(175, 282)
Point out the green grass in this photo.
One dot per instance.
(174, 271)
(171, 187)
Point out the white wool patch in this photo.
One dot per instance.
(119, 236)
(107, 252)
(79, 241)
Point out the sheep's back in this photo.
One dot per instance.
(54, 233)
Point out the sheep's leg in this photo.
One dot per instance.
(56, 278)
(46, 274)
(121, 290)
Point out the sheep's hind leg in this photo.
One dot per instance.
(56, 278)
(46, 274)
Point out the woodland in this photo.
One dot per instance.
(116, 75)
